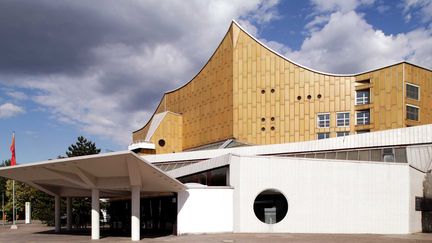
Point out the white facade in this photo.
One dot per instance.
(205, 210)
(323, 195)
(328, 196)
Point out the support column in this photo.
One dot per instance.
(57, 213)
(95, 229)
(135, 224)
(69, 213)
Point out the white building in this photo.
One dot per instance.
(366, 183)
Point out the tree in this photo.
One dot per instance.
(82, 147)
(2, 179)
(3, 182)
(41, 203)
(82, 206)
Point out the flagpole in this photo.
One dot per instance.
(3, 213)
(13, 163)
(13, 205)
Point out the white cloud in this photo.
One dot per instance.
(164, 44)
(348, 44)
(422, 8)
(338, 5)
(8, 110)
(17, 95)
(317, 22)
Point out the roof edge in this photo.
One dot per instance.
(321, 72)
(190, 80)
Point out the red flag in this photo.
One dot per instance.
(12, 149)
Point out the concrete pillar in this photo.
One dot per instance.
(95, 229)
(135, 224)
(69, 213)
(57, 213)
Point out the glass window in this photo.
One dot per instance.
(323, 120)
(412, 91)
(341, 155)
(270, 206)
(412, 113)
(364, 155)
(342, 134)
(353, 155)
(320, 156)
(375, 155)
(363, 131)
(330, 155)
(362, 97)
(323, 135)
(343, 119)
(363, 117)
(400, 155)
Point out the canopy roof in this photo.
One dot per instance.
(112, 173)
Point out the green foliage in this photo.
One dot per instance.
(42, 204)
(82, 147)
(81, 206)
(3, 185)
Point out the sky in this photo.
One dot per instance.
(99, 68)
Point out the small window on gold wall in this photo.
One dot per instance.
(161, 142)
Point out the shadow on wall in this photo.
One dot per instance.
(181, 200)
(427, 193)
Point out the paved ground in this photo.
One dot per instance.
(40, 233)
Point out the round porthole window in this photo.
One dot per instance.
(270, 206)
(161, 142)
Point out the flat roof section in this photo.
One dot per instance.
(112, 173)
(393, 137)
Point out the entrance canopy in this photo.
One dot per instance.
(114, 174)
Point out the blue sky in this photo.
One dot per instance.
(71, 68)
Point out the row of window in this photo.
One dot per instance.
(324, 135)
(363, 96)
(362, 117)
(343, 119)
(389, 154)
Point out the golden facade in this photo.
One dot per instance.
(250, 93)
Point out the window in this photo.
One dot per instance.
(388, 155)
(342, 119)
(342, 134)
(412, 113)
(323, 135)
(363, 117)
(362, 97)
(412, 91)
(363, 131)
(270, 206)
(323, 120)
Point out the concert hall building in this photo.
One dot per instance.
(258, 143)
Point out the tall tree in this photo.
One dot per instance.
(82, 206)
(82, 147)
(3, 182)
(2, 179)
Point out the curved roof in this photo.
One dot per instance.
(276, 53)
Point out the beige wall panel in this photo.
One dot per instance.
(171, 131)
(422, 78)
(225, 99)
